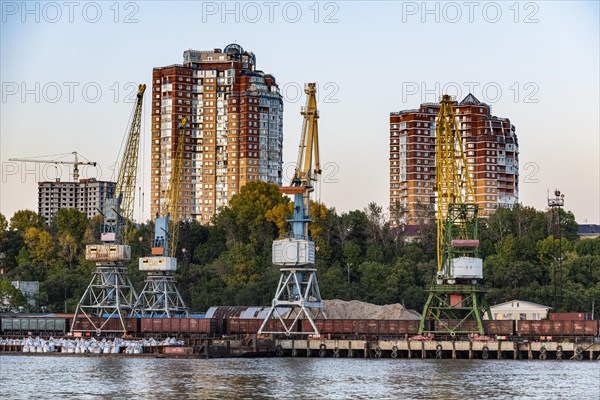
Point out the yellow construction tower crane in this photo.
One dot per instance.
(76, 163)
(298, 289)
(456, 301)
(160, 298)
(110, 293)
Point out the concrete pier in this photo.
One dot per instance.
(439, 349)
(345, 348)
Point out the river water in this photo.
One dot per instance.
(38, 377)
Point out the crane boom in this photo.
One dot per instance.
(127, 178)
(305, 175)
(171, 210)
(75, 163)
(309, 142)
(452, 182)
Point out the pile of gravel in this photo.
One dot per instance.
(354, 309)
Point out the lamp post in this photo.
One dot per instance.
(555, 205)
(184, 252)
(349, 265)
(141, 239)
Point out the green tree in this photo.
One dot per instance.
(379, 282)
(3, 227)
(501, 223)
(245, 219)
(568, 225)
(584, 269)
(24, 219)
(69, 248)
(352, 253)
(548, 251)
(40, 244)
(10, 297)
(588, 247)
(71, 221)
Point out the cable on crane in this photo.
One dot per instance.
(123, 141)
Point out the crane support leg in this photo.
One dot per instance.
(109, 295)
(160, 297)
(297, 298)
(457, 309)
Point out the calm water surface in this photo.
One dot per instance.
(24, 377)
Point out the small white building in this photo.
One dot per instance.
(30, 289)
(519, 310)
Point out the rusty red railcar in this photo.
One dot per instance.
(368, 327)
(529, 328)
(83, 324)
(499, 327)
(180, 326)
(245, 326)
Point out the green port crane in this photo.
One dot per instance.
(455, 303)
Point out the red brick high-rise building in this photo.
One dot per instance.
(234, 133)
(492, 154)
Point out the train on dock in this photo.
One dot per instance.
(365, 329)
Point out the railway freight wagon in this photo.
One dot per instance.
(185, 327)
(490, 327)
(34, 326)
(499, 327)
(367, 328)
(244, 326)
(536, 329)
(109, 326)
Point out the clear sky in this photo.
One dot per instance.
(67, 71)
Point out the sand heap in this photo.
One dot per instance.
(354, 309)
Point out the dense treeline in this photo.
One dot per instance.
(359, 256)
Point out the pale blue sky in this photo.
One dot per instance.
(373, 58)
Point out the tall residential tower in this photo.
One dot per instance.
(234, 134)
(492, 153)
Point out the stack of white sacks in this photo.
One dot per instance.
(88, 346)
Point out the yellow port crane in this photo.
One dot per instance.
(110, 294)
(76, 163)
(160, 298)
(456, 300)
(298, 289)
